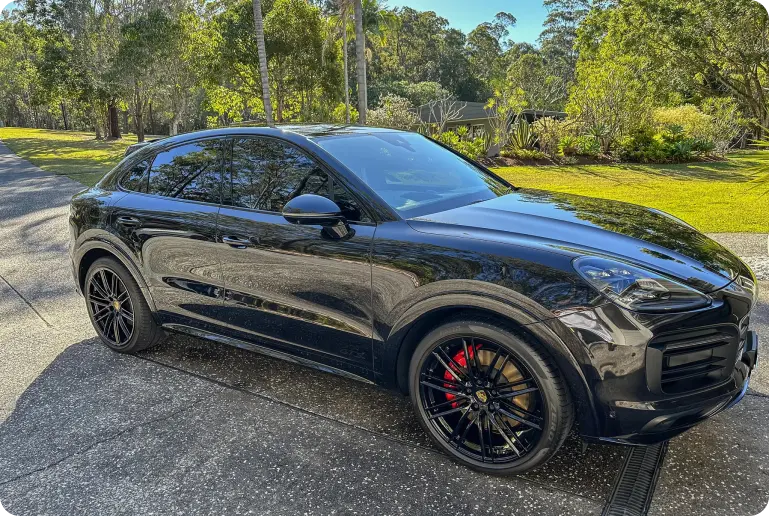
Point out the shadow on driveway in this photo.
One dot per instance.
(227, 431)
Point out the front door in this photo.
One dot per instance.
(294, 287)
(168, 218)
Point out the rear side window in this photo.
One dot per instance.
(191, 171)
(136, 177)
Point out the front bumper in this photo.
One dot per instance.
(658, 421)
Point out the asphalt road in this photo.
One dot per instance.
(193, 427)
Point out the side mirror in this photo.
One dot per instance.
(310, 209)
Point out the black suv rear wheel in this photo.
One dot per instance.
(118, 311)
(490, 398)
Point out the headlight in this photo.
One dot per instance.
(638, 289)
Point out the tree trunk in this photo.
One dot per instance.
(346, 69)
(64, 115)
(259, 27)
(125, 120)
(152, 120)
(114, 123)
(360, 52)
(138, 113)
(174, 126)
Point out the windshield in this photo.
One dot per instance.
(413, 174)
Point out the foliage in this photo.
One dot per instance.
(693, 48)
(671, 144)
(612, 94)
(502, 109)
(550, 132)
(338, 114)
(393, 111)
(522, 136)
(523, 154)
(568, 146)
(728, 123)
(461, 141)
(543, 89)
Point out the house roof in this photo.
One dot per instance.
(469, 111)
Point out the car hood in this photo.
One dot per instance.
(585, 225)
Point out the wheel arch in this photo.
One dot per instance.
(428, 314)
(92, 250)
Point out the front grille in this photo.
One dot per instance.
(682, 362)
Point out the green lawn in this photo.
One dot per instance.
(713, 196)
(73, 154)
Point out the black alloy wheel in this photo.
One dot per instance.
(110, 306)
(117, 308)
(489, 398)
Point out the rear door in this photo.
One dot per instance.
(169, 219)
(290, 285)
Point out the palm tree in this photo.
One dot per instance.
(360, 53)
(259, 25)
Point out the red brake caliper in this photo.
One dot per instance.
(459, 358)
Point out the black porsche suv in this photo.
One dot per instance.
(508, 315)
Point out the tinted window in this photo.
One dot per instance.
(136, 177)
(190, 171)
(267, 173)
(413, 174)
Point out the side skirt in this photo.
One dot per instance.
(263, 350)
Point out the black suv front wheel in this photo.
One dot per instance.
(493, 400)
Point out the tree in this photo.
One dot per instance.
(138, 63)
(486, 45)
(613, 95)
(442, 111)
(360, 64)
(544, 89)
(695, 48)
(394, 111)
(259, 34)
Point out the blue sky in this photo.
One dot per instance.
(465, 15)
(530, 13)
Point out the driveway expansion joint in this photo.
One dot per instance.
(25, 301)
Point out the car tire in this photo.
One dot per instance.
(523, 447)
(108, 280)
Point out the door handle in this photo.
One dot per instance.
(236, 242)
(128, 221)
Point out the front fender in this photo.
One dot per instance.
(484, 299)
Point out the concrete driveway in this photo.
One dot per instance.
(193, 427)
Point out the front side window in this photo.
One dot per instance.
(266, 173)
(191, 171)
(411, 173)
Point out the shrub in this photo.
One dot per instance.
(728, 122)
(568, 146)
(338, 114)
(526, 154)
(460, 141)
(521, 135)
(588, 145)
(670, 145)
(393, 111)
(550, 131)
